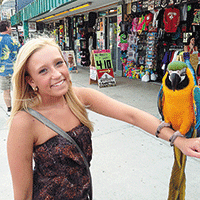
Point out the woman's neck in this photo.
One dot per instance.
(52, 103)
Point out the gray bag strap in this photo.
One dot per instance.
(58, 130)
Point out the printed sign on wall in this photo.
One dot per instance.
(103, 64)
(70, 59)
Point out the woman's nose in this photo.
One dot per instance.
(55, 73)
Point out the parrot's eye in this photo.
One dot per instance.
(183, 72)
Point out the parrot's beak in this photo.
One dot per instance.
(175, 79)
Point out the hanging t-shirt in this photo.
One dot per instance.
(135, 24)
(171, 2)
(196, 20)
(190, 15)
(177, 2)
(151, 5)
(141, 24)
(171, 19)
(164, 3)
(145, 5)
(183, 12)
(157, 3)
(124, 46)
(134, 7)
(148, 18)
(155, 15)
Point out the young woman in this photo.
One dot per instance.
(42, 82)
(190, 46)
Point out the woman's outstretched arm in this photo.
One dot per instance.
(102, 104)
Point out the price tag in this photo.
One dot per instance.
(103, 59)
(104, 68)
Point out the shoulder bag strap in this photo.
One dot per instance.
(58, 130)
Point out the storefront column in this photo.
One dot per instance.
(25, 27)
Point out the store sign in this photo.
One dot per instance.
(104, 68)
(103, 59)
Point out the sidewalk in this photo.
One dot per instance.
(5, 177)
(128, 163)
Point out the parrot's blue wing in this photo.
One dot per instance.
(196, 95)
(187, 61)
(160, 101)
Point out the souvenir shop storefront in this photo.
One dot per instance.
(86, 32)
(154, 33)
(142, 36)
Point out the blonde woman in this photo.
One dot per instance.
(42, 82)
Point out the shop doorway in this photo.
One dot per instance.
(112, 39)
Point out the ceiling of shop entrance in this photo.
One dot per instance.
(95, 5)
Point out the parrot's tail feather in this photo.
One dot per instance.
(178, 180)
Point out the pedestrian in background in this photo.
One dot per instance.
(8, 51)
(42, 82)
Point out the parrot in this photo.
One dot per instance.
(179, 106)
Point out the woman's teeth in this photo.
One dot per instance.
(58, 84)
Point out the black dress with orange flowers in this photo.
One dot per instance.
(60, 172)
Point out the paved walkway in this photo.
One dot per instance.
(128, 163)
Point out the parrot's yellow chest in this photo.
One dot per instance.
(178, 106)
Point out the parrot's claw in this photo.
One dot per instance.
(162, 125)
(174, 136)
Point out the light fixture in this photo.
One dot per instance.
(62, 13)
(70, 10)
(79, 7)
(111, 11)
(49, 17)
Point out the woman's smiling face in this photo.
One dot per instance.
(48, 72)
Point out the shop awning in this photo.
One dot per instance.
(51, 10)
(38, 8)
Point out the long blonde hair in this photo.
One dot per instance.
(23, 94)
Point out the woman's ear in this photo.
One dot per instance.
(30, 81)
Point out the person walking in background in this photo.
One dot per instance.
(8, 51)
(42, 82)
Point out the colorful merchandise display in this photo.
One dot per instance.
(158, 33)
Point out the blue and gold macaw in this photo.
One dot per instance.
(179, 106)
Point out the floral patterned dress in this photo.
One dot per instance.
(60, 172)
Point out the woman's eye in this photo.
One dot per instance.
(59, 63)
(42, 71)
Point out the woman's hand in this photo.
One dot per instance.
(190, 147)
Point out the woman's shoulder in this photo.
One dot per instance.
(22, 126)
(22, 119)
(81, 92)
(84, 94)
